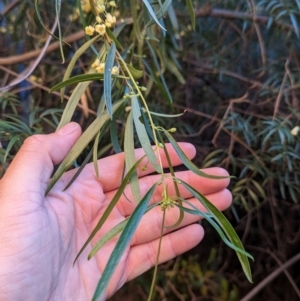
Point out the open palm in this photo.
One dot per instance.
(40, 236)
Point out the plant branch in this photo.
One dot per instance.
(16, 59)
(32, 66)
(9, 7)
(270, 278)
(229, 14)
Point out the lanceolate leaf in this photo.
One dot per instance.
(114, 39)
(107, 77)
(162, 11)
(153, 75)
(37, 9)
(130, 157)
(226, 227)
(107, 236)
(190, 7)
(152, 13)
(165, 115)
(142, 134)
(135, 18)
(122, 243)
(72, 104)
(79, 170)
(209, 218)
(57, 10)
(110, 207)
(186, 161)
(112, 233)
(81, 143)
(72, 63)
(10, 145)
(82, 78)
(135, 72)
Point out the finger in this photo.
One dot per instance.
(31, 168)
(150, 225)
(142, 257)
(203, 185)
(111, 168)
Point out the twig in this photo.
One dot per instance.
(277, 103)
(43, 88)
(32, 67)
(225, 130)
(229, 108)
(9, 7)
(251, 5)
(229, 14)
(288, 275)
(272, 276)
(15, 59)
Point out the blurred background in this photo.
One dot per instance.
(237, 75)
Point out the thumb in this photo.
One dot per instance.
(32, 167)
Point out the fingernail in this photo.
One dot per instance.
(67, 129)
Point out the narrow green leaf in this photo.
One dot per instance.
(136, 25)
(57, 12)
(108, 236)
(114, 136)
(101, 106)
(114, 39)
(135, 72)
(122, 243)
(174, 21)
(110, 207)
(83, 78)
(130, 157)
(72, 104)
(226, 226)
(142, 135)
(17, 122)
(72, 63)
(209, 218)
(164, 115)
(152, 13)
(107, 77)
(295, 24)
(186, 161)
(95, 155)
(37, 9)
(10, 145)
(81, 143)
(165, 93)
(163, 83)
(259, 188)
(190, 7)
(146, 122)
(173, 68)
(79, 170)
(161, 12)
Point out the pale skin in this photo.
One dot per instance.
(41, 235)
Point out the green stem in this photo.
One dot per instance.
(157, 257)
(145, 105)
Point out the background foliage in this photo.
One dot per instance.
(237, 77)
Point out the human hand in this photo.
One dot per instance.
(41, 235)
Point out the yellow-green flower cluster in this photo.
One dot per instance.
(98, 28)
(85, 6)
(108, 21)
(99, 67)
